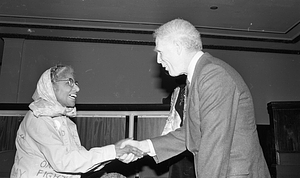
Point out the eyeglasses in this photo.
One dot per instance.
(69, 81)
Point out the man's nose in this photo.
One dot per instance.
(158, 58)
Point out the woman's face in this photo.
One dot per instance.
(66, 91)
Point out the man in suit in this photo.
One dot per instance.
(219, 122)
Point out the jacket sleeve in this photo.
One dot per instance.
(218, 105)
(60, 155)
(169, 145)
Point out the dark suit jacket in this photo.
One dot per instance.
(219, 126)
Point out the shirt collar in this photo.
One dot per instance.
(192, 65)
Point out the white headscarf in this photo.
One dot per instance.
(45, 102)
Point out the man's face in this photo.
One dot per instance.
(169, 57)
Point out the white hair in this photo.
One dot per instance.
(181, 30)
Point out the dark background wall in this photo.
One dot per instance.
(108, 73)
(114, 73)
(110, 45)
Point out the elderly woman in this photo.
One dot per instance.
(47, 141)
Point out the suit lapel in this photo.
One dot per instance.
(192, 133)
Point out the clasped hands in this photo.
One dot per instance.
(129, 150)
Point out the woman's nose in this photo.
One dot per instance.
(76, 87)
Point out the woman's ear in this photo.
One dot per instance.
(54, 87)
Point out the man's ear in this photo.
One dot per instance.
(178, 47)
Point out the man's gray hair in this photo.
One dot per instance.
(181, 30)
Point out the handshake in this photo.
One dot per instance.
(129, 150)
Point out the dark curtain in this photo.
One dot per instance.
(93, 131)
(100, 131)
(96, 132)
(9, 126)
(149, 127)
(181, 165)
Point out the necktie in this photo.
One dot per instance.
(187, 86)
(179, 106)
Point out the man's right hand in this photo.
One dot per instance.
(126, 152)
